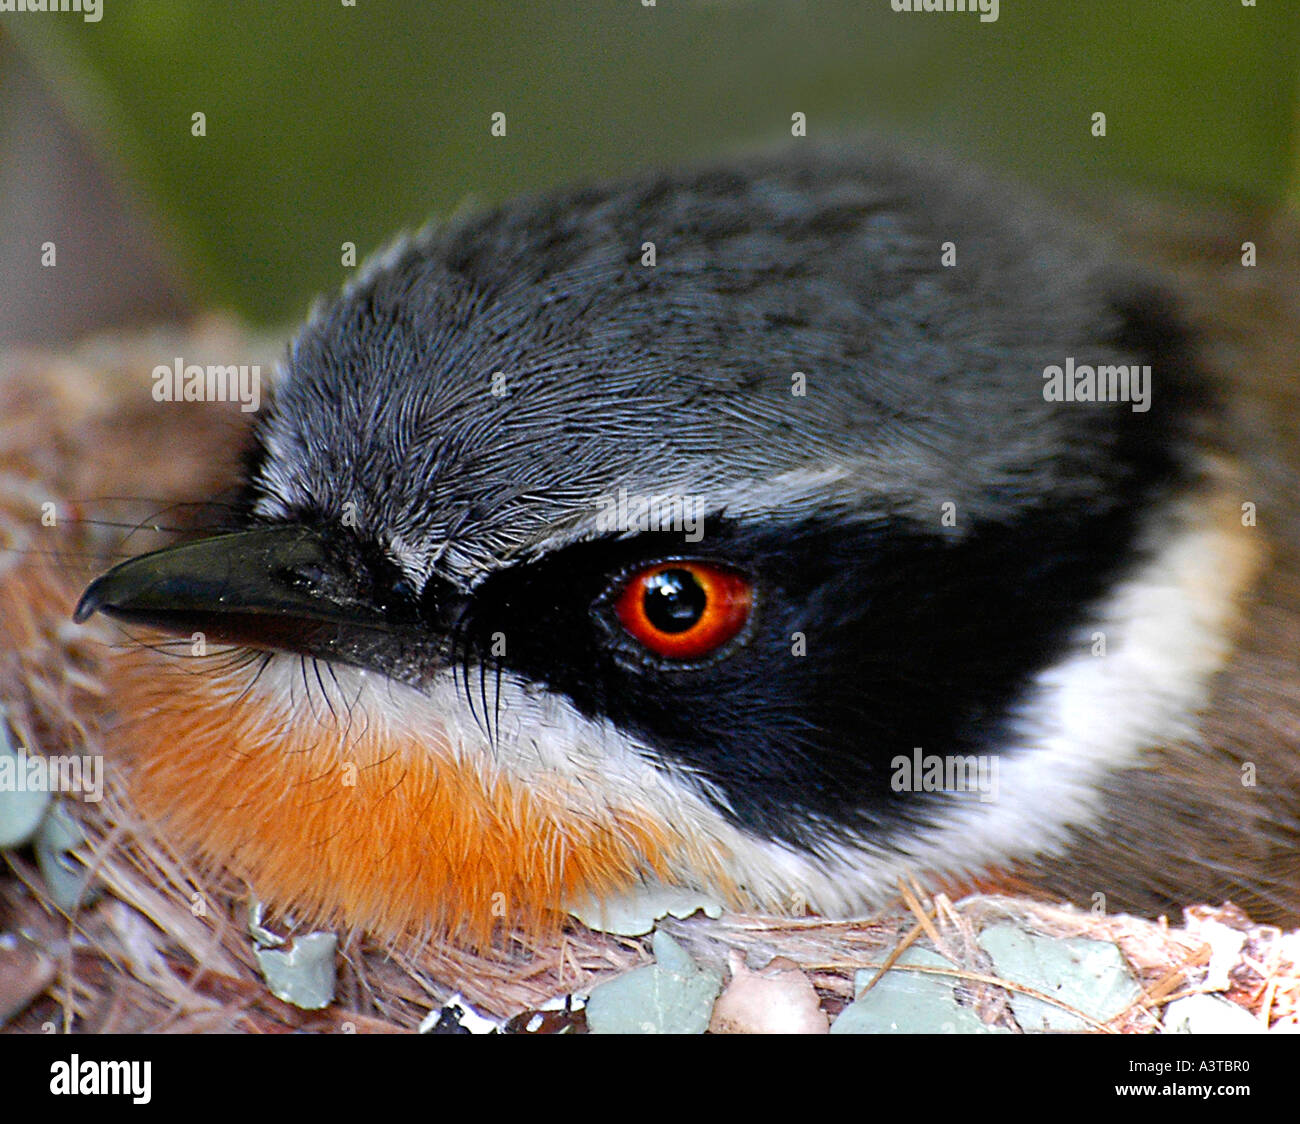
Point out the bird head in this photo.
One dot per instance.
(638, 533)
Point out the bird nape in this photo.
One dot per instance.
(775, 528)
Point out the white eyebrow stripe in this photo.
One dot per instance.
(855, 491)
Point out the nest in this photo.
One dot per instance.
(141, 957)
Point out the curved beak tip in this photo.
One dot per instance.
(88, 605)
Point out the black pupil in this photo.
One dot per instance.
(674, 600)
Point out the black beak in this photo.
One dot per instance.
(286, 588)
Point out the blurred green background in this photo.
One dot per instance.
(328, 123)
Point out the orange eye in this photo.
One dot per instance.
(684, 610)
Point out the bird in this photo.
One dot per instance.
(775, 527)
